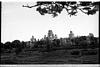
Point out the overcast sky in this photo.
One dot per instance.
(21, 23)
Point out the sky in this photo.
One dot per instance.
(20, 23)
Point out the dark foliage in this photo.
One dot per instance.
(48, 45)
(75, 53)
(72, 7)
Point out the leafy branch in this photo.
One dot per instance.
(72, 7)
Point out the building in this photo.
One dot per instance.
(44, 37)
(50, 35)
(55, 37)
(91, 35)
(63, 41)
(32, 41)
(71, 35)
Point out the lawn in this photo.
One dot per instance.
(53, 57)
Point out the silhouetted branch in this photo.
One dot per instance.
(55, 8)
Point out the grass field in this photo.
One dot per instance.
(52, 57)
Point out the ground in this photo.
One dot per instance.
(62, 56)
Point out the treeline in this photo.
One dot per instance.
(82, 42)
(14, 46)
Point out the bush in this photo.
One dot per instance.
(75, 53)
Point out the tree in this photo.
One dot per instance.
(72, 7)
(23, 45)
(1, 45)
(84, 44)
(17, 45)
(8, 45)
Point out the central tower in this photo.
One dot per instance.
(50, 35)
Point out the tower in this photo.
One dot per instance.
(33, 39)
(50, 35)
(55, 37)
(45, 37)
(71, 35)
(91, 35)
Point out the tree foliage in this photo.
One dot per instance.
(72, 7)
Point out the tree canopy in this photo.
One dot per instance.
(72, 7)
